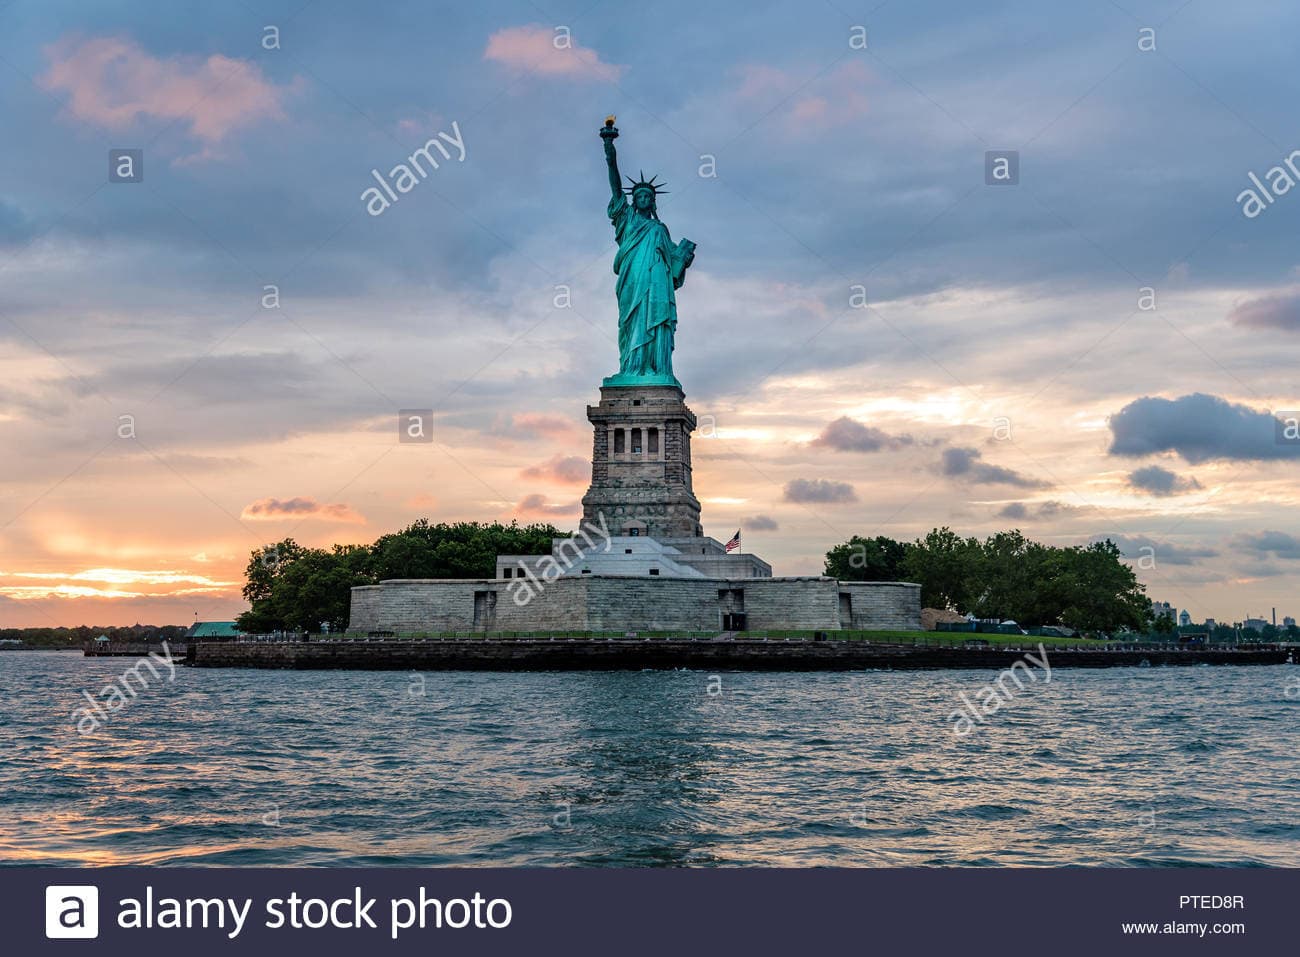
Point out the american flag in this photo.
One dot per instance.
(732, 545)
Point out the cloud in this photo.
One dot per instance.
(759, 523)
(565, 469)
(1279, 311)
(964, 463)
(1135, 547)
(1157, 481)
(276, 509)
(849, 435)
(14, 225)
(1198, 427)
(819, 491)
(1028, 511)
(185, 462)
(111, 583)
(531, 425)
(836, 99)
(536, 504)
(113, 83)
(547, 51)
(1277, 544)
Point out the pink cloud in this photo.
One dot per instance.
(112, 82)
(277, 509)
(543, 50)
(531, 425)
(836, 99)
(565, 469)
(420, 123)
(537, 504)
(1277, 311)
(758, 80)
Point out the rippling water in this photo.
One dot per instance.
(1156, 766)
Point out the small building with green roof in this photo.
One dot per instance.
(212, 630)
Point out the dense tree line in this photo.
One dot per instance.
(76, 636)
(1005, 576)
(292, 588)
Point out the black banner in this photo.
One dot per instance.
(145, 911)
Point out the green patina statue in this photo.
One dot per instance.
(649, 268)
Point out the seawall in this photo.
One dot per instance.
(587, 654)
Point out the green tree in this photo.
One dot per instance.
(1008, 576)
(300, 589)
(878, 559)
(265, 564)
(316, 589)
(1103, 593)
(460, 550)
(946, 566)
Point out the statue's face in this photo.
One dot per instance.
(643, 199)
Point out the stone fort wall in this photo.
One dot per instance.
(616, 603)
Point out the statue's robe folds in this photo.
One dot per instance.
(649, 269)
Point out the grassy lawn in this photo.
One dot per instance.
(959, 638)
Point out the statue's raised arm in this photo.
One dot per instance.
(609, 134)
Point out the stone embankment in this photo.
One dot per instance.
(588, 654)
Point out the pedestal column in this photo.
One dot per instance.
(645, 492)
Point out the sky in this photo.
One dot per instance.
(876, 339)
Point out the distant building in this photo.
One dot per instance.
(1184, 618)
(1288, 622)
(1210, 625)
(1255, 624)
(1162, 608)
(211, 630)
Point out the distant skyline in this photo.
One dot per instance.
(214, 358)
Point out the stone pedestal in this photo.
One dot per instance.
(641, 463)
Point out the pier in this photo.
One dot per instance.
(131, 649)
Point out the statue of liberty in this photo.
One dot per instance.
(649, 268)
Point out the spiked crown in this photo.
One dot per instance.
(643, 183)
